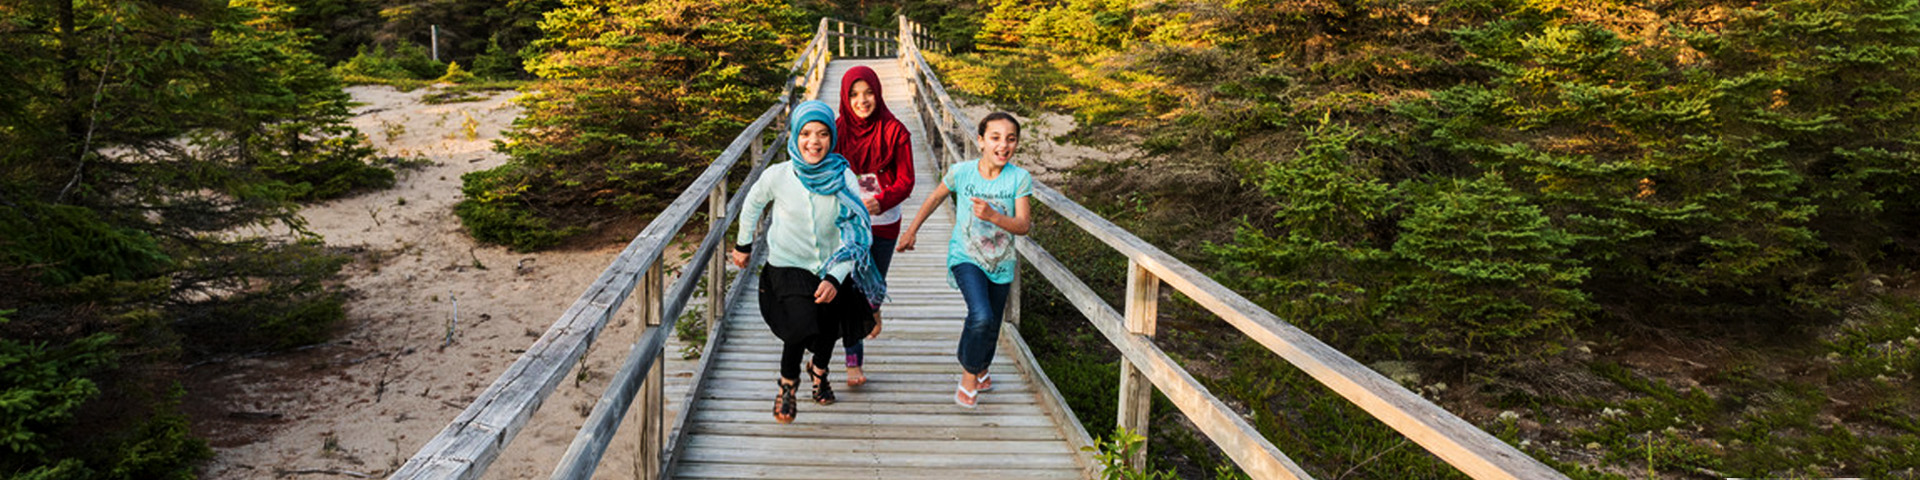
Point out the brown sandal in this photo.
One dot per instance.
(784, 408)
(822, 389)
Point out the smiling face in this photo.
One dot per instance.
(998, 143)
(862, 99)
(815, 141)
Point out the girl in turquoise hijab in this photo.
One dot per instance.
(820, 282)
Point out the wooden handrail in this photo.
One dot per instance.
(1473, 451)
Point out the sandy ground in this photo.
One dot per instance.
(364, 403)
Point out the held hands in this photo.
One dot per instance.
(905, 242)
(824, 293)
(739, 258)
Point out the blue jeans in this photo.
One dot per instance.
(985, 302)
(882, 252)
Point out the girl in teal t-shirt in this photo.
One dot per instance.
(980, 260)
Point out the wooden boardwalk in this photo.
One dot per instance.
(903, 422)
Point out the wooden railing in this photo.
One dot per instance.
(1144, 366)
(468, 445)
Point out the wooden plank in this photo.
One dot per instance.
(799, 453)
(856, 403)
(727, 470)
(1475, 452)
(1023, 447)
(928, 398)
(766, 428)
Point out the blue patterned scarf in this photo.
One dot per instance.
(829, 177)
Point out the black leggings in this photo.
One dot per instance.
(820, 344)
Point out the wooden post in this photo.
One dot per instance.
(842, 27)
(652, 399)
(1012, 315)
(717, 266)
(1136, 392)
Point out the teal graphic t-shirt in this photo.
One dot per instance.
(977, 241)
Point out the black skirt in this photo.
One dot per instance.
(786, 303)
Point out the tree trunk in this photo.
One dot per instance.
(73, 93)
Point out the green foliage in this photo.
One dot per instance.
(496, 62)
(455, 74)
(492, 213)
(41, 387)
(637, 97)
(148, 143)
(1111, 455)
(1113, 452)
(1882, 341)
(1472, 271)
(71, 243)
(339, 166)
(43, 390)
(1752, 427)
(403, 61)
(1745, 178)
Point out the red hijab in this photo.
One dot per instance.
(865, 141)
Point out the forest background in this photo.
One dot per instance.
(1667, 239)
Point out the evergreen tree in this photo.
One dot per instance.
(145, 139)
(1744, 170)
(637, 97)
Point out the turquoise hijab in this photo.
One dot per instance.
(829, 177)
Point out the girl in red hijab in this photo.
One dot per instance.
(878, 149)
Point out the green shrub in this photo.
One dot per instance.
(455, 74)
(496, 62)
(508, 224)
(44, 385)
(492, 211)
(1473, 270)
(72, 243)
(404, 61)
(339, 166)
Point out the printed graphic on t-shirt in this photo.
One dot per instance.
(988, 244)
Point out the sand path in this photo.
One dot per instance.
(365, 402)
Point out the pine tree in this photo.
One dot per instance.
(637, 97)
(143, 138)
(1739, 172)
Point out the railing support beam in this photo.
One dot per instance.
(652, 399)
(1136, 392)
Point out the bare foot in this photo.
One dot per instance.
(856, 377)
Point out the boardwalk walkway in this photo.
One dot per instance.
(903, 423)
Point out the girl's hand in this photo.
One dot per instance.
(982, 210)
(824, 293)
(873, 206)
(905, 242)
(739, 258)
